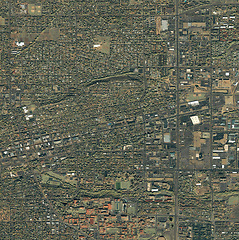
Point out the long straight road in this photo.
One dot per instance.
(176, 217)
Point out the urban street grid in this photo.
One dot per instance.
(119, 119)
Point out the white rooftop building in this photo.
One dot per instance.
(195, 120)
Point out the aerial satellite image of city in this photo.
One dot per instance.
(119, 119)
